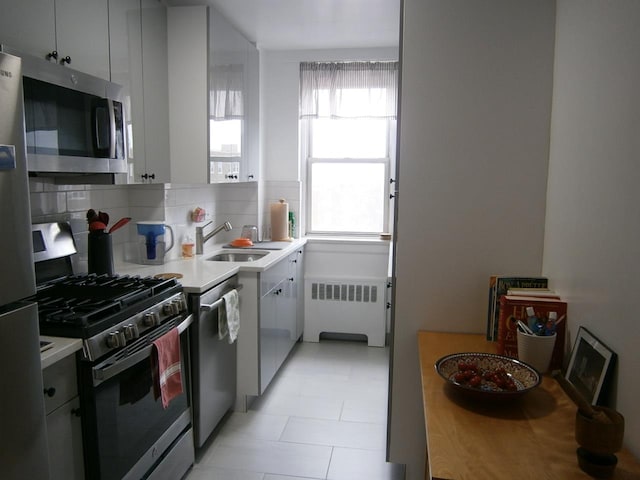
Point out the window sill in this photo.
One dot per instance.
(347, 240)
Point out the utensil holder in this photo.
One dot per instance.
(536, 350)
(100, 253)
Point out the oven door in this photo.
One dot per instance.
(127, 431)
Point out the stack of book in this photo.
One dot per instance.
(509, 297)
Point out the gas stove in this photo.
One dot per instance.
(107, 312)
(127, 433)
(82, 305)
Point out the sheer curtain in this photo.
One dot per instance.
(348, 89)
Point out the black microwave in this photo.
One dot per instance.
(74, 122)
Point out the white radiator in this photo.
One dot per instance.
(353, 305)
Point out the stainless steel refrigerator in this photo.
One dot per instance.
(23, 439)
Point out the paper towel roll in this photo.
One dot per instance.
(280, 220)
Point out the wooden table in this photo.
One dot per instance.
(531, 437)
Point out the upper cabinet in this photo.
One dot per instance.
(233, 103)
(74, 32)
(213, 92)
(187, 53)
(138, 48)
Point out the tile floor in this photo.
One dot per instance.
(322, 417)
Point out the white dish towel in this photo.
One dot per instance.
(229, 316)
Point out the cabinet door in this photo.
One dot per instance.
(60, 383)
(250, 166)
(298, 273)
(149, 94)
(29, 26)
(233, 104)
(125, 50)
(286, 318)
(269, 336)
(187, 53)
(64, 433)
(82, 33)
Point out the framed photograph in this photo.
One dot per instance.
(590, 366)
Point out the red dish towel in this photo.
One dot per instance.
(166, 367)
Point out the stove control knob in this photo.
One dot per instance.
(151, 319)
(116, 339)
(131, 331)
(170, 309)
(179, 305)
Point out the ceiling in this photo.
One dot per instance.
(311, 24)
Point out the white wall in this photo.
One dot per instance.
(474, 140)
(592, 240)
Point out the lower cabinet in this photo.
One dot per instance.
(64, 430)
(278, 314)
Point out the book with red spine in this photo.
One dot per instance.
(514, 308)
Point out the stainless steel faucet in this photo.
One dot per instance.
(201, 238)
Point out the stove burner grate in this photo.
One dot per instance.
(79, 305)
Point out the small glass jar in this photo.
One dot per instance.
(188, 246)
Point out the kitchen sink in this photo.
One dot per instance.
(237, 256)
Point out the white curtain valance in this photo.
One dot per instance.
(348, 89)
(226, 87)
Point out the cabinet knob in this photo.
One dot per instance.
(250, 177)
(53, 55)
(291, 279)
(65, 60)
(76, 412)
(50, 392)
(148, 176)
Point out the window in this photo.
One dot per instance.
(348, 114)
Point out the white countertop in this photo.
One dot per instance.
(200, 274)
(61, 348)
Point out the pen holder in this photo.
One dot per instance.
(536, 350)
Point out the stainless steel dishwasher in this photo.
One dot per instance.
(214, 362)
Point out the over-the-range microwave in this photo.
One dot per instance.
(74, 122)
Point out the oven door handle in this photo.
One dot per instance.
(102, 374)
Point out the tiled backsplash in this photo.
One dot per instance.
(237, 203)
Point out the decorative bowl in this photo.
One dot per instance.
(521, 377)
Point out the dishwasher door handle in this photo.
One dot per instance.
(207, 307)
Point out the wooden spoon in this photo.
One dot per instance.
(584, 407)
